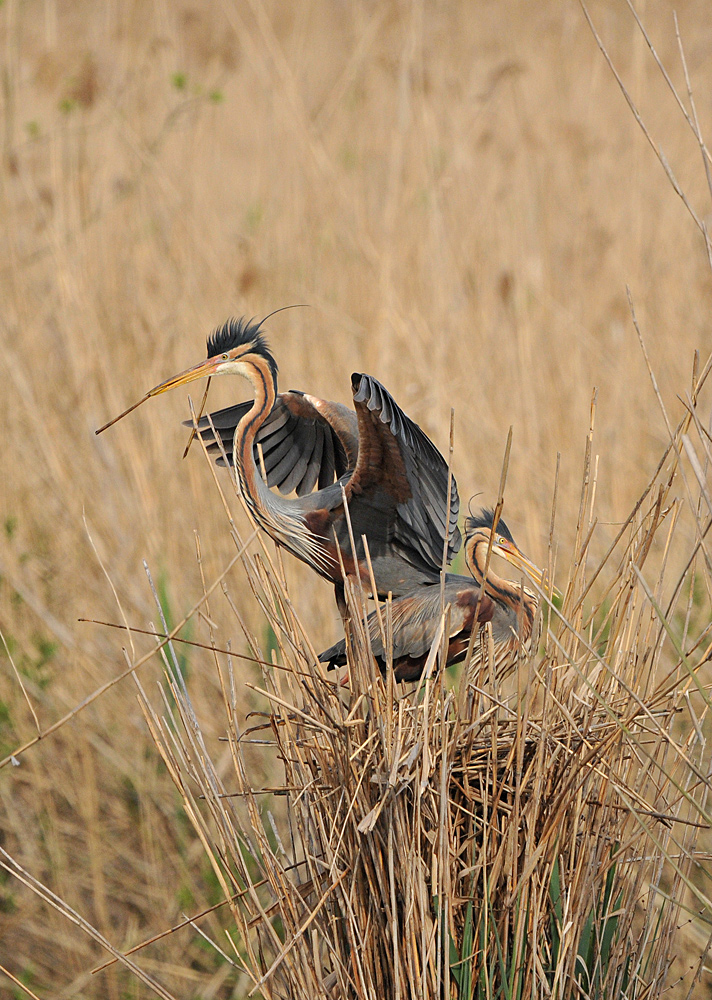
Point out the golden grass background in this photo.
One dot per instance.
(460, 194)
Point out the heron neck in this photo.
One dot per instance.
(502, 591)
(252, 485)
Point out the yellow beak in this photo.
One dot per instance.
(202, 370)
(517, 558)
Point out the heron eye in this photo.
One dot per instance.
(225, 357)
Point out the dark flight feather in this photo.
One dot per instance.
(293, 420)
(426, 472)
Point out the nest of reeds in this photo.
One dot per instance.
(471, 838)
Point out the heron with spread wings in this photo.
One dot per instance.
(509, 607)
(391, 476)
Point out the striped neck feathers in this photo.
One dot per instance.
(263, 379)
(511, 595)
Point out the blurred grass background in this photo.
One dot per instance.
(460, 194)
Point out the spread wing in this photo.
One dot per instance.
(306, 442)
(397, 457)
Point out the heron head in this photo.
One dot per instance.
(479, 530)
(233, 349)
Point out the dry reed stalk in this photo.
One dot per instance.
(476, 841)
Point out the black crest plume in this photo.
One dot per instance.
(236, 332)
(485, 519)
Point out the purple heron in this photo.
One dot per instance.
(394, 479)
(508, 606)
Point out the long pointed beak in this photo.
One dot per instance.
(517, 558)
(201, 370)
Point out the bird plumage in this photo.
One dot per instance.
(298, 433)
(241, 332)
(415, 616)
(485, 519)
(393, 478)
(382, 485)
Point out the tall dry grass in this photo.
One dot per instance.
(461, 195)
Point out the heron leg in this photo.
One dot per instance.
(340, 596)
